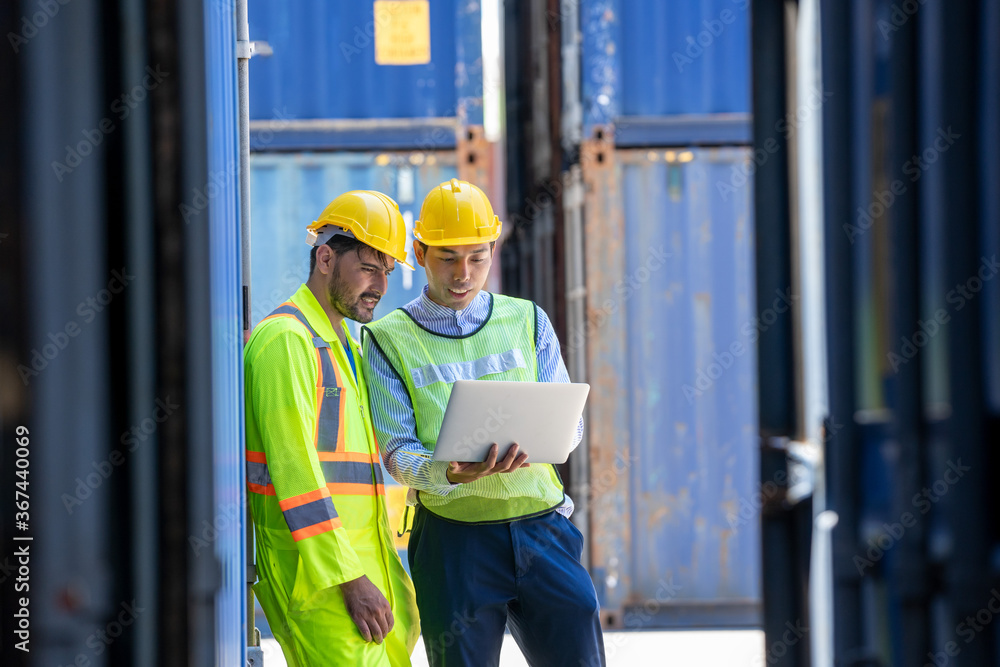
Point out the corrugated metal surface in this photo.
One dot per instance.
(288, 191)
(671, 314)
(226, 513)
(685, 57)
(667, 72)
(324, 63)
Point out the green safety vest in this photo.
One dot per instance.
(503, 348)
(316, 492)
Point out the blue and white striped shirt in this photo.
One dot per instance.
(404, 456)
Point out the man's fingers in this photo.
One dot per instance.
(391, 622)
(510, 458)
(363, 629)
(520, 462)
(491, 458)
(375, 623)
(384, 620)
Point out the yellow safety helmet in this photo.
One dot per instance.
(371, 217)
(456, 213)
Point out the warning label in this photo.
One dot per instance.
(402, 32)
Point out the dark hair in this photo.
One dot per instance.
(342, 244)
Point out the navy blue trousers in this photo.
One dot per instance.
(472, 580)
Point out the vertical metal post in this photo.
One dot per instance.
(243, 53)
(909, 572)
(784, 531)
(967, 564)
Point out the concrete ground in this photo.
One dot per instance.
(703, 648)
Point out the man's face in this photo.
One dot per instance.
(357, 283)
(455, 274)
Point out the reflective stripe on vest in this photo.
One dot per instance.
(329, 432)
(310, 514)
(345, 473)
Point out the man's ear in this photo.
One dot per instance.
(325, 259)
(418, 252)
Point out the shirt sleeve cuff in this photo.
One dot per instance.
(439, 476)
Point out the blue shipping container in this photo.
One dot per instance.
(674, 476)
(323, 65)
(228, 469)
(667, 73)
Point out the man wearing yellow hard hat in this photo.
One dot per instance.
(492, 544)
(330, 580)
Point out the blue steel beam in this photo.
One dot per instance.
(423, 134)
(684, 130)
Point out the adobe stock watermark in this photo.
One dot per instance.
(750, 508)
(218, 179)
(898, 16)
(459, 626)
(122, 107)
(608, 477)
(30, 26)
(481, 438)
(533, 207)
(130, 440)
(636, 618)
(59, 340)
(624, 289)
(713, 29)
(100, 640)
(914, 168)
(968, 630)
(922, 502)
(362, 39)
(227, 516)
(740, 174)
(706, 377)
(793, 634)
(959, 297)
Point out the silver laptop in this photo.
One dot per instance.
(541, 417)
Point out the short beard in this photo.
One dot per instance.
(335, 293)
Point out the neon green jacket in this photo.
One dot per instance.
(316, 492)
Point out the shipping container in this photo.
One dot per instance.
(668, 241)
(666, 73)
(670, 330)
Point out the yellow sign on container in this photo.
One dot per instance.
(402, 32)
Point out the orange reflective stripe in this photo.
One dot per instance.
(353, 457)
(257, 474)
(302, 499)
(316, 529)
(352, 489)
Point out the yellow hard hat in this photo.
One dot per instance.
(371, 217)
(456, 213)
